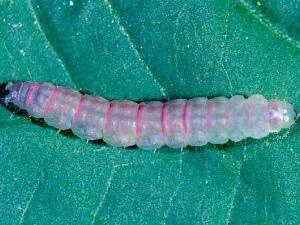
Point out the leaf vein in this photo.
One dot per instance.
(166, 213)
(43, 33)
(32, 194)
(234, 190)
(133, 47)
(103, 198)
(267, 23)
(222, 55)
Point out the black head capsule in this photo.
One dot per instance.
(4, 92)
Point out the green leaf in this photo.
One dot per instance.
(139, 50)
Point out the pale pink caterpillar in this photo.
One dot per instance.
(150, 125)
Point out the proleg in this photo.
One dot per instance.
(153, 124)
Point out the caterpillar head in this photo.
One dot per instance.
(17, 93)
(5, 92)
(12, 93)
(282, 115)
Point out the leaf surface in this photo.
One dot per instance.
(143, 50)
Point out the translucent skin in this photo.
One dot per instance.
(150, 125)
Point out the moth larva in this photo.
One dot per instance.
(152, 124)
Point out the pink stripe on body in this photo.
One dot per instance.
(138, 120)
(266, 114)
(229, 118)
(51, 99)
(77, 111)
(163, 120)
(20, 91)
(107, 116)
(248, 112)
(186, 119)
(208, 115)
(279, 111)
(184, 115)
(32, 86)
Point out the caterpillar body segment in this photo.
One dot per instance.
(150, 125)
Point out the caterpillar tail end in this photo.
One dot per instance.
(282, 115)
(289, 114)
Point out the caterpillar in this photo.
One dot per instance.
(153, 124)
